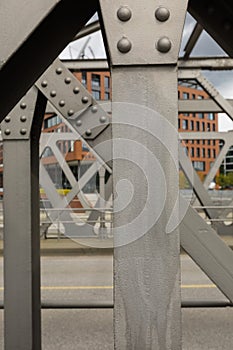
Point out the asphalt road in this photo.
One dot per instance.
(90, 278)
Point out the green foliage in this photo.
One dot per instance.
(225, 180)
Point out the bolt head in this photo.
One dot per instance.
(53, 93)
(44, 84)
(85, 99)
(23, 131)
(7, 119)
(62, 103)
(88, 132)
(76, 90)
(162, 14)
(68, 80)
(94, 109)
(23, 105)
(78, 122)
(59, 70)
(7, 132)
(124, 13)
(23, 118)
(70, 112)
(124, 45)
(164, 45)
(103, 119)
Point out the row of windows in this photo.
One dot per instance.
(201, 152)
(96, 85)
(199, 166)
(210, 116)
(187, 96)
(186, 124)
(52, 121)
(203, 142)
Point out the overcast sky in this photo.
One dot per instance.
(205, 46)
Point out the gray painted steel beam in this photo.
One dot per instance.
(21, 130)
(146, 259)
(192, 40)
(210, 63)
(23, 59)
(201, 106)
(88, 29)
(208, 250)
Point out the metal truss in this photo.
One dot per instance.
(144, 72)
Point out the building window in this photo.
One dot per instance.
(184, 124)
(84, 78)
(200, 97)
(214, 153)
(203, 126)
(192, 151)
(211, 116)
(185, 95)
(193, 96)
(95, 81)
(186, 114)
(96, 94)
(198, 152)
(198, 126)
(178, 123)
(52, 121)
(200, 166)
(107, 95)
(208, 127)
(203, 152)
(209, 153)
(191, 125)
(214, 128)
(200, 115)
(106, 82)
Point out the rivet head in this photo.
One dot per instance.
(94, 109)
(59, 70)
(23, 131)
(88, 132)
(23, 118)
(68, 80)
(70, 112)
(124, 45)
(162, 14)
(164, 44)
(44, 84)
(53, 93)
(76, 90)
(84, 99)
(103, 119)
(23, 105)
(7, 119)
(78, 122)
(62, 103)
(124, 13)
(7, 132)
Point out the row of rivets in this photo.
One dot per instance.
(23, 119)
(7, 132)
(162, 14)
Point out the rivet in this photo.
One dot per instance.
(88, 132)
(78, 122)
(124, 13)
(70, 112)
(53, 93)
(59, 70)
(76, 90)
(23, 118)
(94, 109)
(124, 45)
(23, 105)
(44, 84)
(7, 119)
(84, 99)
(7, 132)
(103, 119)
(23, 131)
(162, 14)
(164, 44)
(67, 80)
(62, 103)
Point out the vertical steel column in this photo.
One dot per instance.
(21, 130)
(144, 41)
